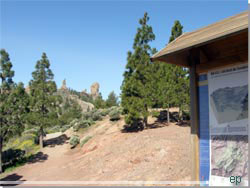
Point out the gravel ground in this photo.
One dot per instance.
(156, 154)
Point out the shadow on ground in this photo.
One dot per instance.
(19, 159)
(162, 121)
(60, 140)
(12, 177)
(38, 157)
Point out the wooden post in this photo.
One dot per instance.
(195, 168)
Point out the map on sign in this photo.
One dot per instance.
(228, 123)
(229, 155)
(230, 103)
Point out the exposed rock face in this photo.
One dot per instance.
(85, 93)
(95, 90)
(64, 86)
(84, 105)
(27, 89)
(65, 94)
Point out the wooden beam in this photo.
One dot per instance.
(223, 62)
(194, 59)
(204, 56)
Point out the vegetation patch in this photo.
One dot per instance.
(85, 140)
(74, 141)
(114, 115)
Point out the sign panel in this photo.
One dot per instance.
(228, 123)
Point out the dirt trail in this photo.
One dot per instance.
(159, 154)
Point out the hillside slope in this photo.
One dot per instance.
(65, 94)
(157, 154)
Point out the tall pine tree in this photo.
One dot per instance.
(135, 93)
(112, 100)
(43, 102)
(180, 75)
(13, 103)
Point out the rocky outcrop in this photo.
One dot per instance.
(65, 93)
(94, 89)
(84, 105)
(64, 86)
(27, 89)
(85, 93)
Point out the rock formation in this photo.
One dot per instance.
(85, 93)
(83, 104)
(27, 89)
(94, 89)
(64, 86)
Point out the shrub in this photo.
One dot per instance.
(120, 109)
(53, 129)
(76, 127)
(64, 128)
(96, 116)
(82, 124)
(114, 115)
(31, 131)
(26, 145)
(28, 137)
(85, 140)
(87, 115)
(12, 143)
(155, 113)
(73, 122)
(104, 112)
(74, 141)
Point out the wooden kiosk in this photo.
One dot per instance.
(219, 47)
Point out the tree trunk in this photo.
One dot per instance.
(168, 115)
(41, 139)
(1, 145)
(145, 121)
(179, 114)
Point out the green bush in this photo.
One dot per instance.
(65, 128)
(73, 122)
(53, 129)
(26, 146)
(96, 116)
(104, 112)
(31, 131)
(155, 113)
(87, 115)
(85, 140)
(74, 141)
(114, 115)
(82, 124)
(28, 137)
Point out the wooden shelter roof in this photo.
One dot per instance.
(177, 51)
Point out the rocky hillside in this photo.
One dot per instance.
(67, 94)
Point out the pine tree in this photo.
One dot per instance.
(179, 76)
(176, 31)
(99, 102)
(135, 92)
(43, 102)
(112, 100)
(13, 103)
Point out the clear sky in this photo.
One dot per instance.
(87, 41)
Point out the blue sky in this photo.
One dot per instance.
(88, 41)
